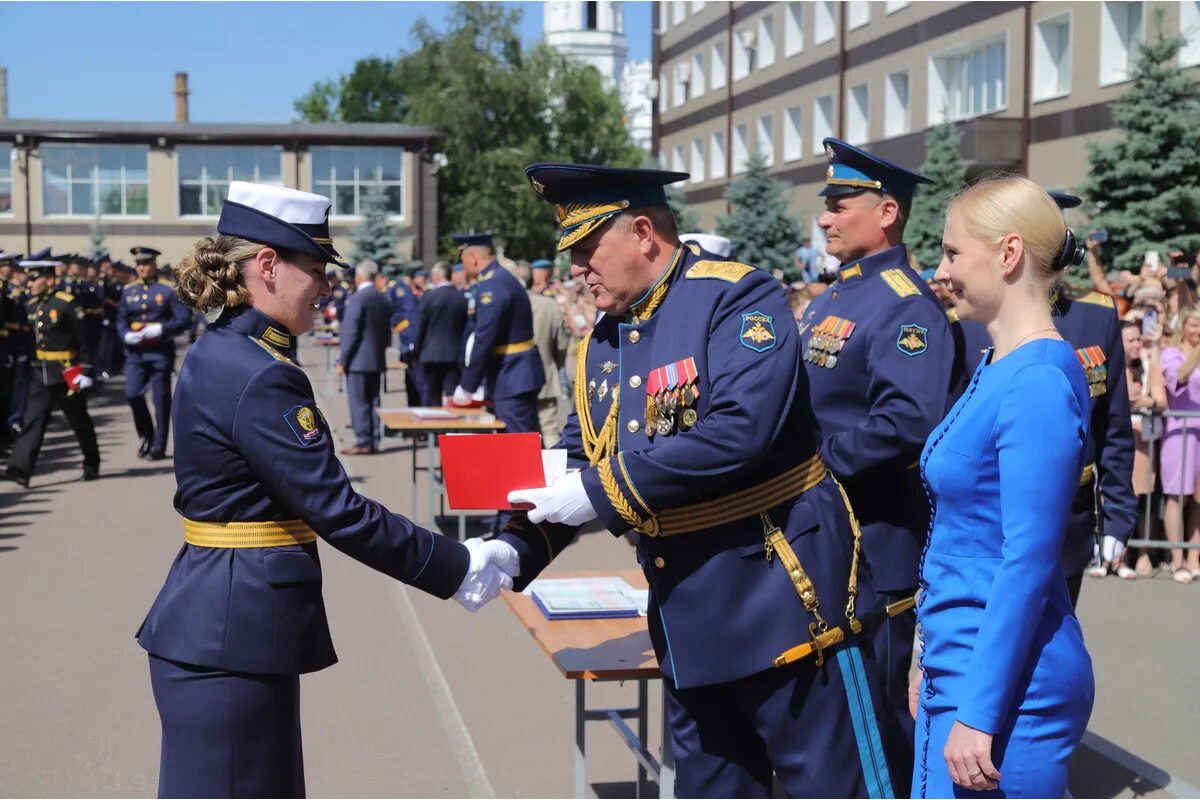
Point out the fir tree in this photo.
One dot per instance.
(943, 165)
(375, 238)
(761, 231)
(98, 248)
(1144, 187)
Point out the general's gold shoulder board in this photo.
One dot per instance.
(65, 296)
(900, 283)
(1096, 298)
(730, 271)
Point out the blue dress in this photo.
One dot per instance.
(1003, 651)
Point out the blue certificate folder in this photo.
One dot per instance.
(587, 598)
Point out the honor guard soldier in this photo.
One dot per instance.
(89, 296)
(60, 374)
(879, 356)
(20, 342)
(503, 360)
(11, 314)
(694, 434)
(149, 319)
(241, 614)
(108, 357)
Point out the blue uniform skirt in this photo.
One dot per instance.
(227, 734)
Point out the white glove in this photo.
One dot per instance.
(152, 331)
(461, 397)
(477, 395)
(134, 337)
(493, 565)
(565, 502)
(1112, 549)
(83, 382)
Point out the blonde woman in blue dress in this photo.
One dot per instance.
(1006, 687)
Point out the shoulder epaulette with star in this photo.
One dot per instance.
(730, 271)
(65, 296)
(899, 282)
(1096, 298)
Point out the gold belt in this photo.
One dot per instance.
(746, 503)
(1089, 472)
(513, 349)
(247, 534)
(55, 355)
(13, 326)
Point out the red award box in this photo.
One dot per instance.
(480, 469)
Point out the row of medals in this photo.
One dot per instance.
(823, 349)
(1097, 378)
(666, 410)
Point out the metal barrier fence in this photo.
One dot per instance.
(1154, 424)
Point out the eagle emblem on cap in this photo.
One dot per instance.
(538, 186)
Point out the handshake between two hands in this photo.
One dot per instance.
(149, 333)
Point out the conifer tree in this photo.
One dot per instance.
(943, 165)
(98, 248)
(762, 232)
(375, 238)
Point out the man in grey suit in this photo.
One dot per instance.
(365, 333)
(440, 325)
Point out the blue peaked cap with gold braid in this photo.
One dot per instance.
(585, 196)
(852, 170)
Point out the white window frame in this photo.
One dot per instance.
(1189, 29)
(718, 66)
(356, 181)
(664, 88)
(892, 6)
(857, 137)
(716, 155)
(205, 182)
(935, 90)
(697, 6)
(6, 162)
(793, 134)
(678, 158)
(1040, 63)
(699, 161)
(744, 57)
(793, 29)
(817, 117)
(889, 128)
(858, 14)
(71, 180)
(680, 83)
(741, 147)
(699, 75)
(1131, 50)
(678, 13)
(663, 17)
(765, 123)
(818, 35)
(764, 42)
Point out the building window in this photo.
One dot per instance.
(969, 82)
(697, 6)
(892, 6)
(346, 174)
(696, 87)
(1052, 58)
(793, 29)
(677, 162)
(683, 74)
(741, 148)
(765, 135)
(793, 147)
(84, 181)
(859, 13)
(663, 17)
(589, 21)
(1189, 29)
(663, 88)
(743, 53)
(822, 122)
(824, 22)
(205, 173)
(1120, 33)
(717, 75)
(697, 160)
(678, 13)
(765, 43)
(858, 111)
(895, 104)
(6, 180)
(716, 153)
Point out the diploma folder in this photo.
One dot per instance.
(584, 598)
(480, 469)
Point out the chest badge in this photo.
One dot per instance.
(608, 366)
(758, 332)
(913, 339)
(827, 341)
(671, 394)
(1095, 368)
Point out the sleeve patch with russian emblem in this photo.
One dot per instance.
(302, 419)
(485, 298)
(758, 332)
(913, 339)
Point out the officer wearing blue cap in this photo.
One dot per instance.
(1104, 511)
(694, 433)
(879, 356)
(541, 272)
(502, 363)
(148, 320)
(241, 616)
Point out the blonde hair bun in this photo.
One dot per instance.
(210, 276)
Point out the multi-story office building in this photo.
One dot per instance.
(161, 184)
(1028, 84)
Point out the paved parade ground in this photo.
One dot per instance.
(428, 700)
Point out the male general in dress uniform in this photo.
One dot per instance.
(694, 433)
(879, 356)
(150, 317)
(503, 359)
(61, 374)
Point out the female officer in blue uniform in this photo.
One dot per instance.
(241, 615)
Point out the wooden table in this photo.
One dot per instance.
(424, 431)
(330, 343)
(604, 650)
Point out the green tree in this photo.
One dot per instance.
(374, 238)
(759, 226)
(943, 165)
(1144, 187)
(500, 107)
(97, 237)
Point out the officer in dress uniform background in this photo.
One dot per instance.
(21, 344)
(441, 321)
(149, 319)
(879, 356)
(60, 374)
(541, 276)
(404, 322)
(111, 349)
(693, 432)
(10, 314)
(502, 362)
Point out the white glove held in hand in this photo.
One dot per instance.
(134, 337)
(153, 330)
(83, 382)
(492, 568)
(1112, 549)
(461, 396)
(565, 502)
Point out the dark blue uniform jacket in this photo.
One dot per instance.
(504, 357)
(144, 302)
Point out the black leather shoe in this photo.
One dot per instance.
(17, 477)
(90, 473)
(157, 455)
(144, 450)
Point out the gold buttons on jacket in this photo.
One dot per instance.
(659, 562)
(635, 381)
(634, 337)
(633, 426)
